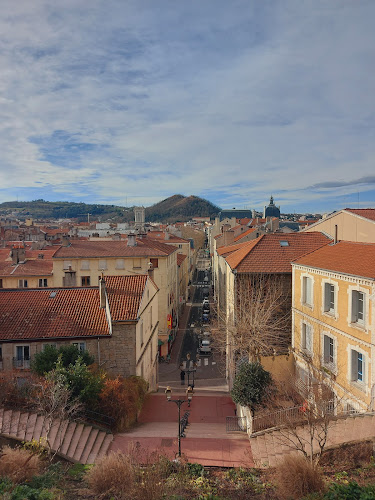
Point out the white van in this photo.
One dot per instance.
(205, 346)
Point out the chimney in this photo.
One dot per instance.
(65, 241)
(14, 255)
(166, 235)
(228, 237)
(102, 293)
(131, 240)
(150, 270)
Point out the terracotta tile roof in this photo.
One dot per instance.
(245, 233)
(161, 236)
(245, 221)
(72, 312)
(227, 250)
(101, 249)
(33, 265)
(368, 213)
(267, 255)
(345, 257)
(180, 258)
(34, 314)
(124, 295)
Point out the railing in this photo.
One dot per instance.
(277, 418)
(99, 418)
(236, 424)
(23, 363)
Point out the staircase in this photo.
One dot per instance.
(77, 442)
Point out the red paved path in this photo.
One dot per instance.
(209, 443)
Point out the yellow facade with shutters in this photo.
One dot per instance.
(333, 332)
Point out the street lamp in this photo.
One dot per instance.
(179, 402)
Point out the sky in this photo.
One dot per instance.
(129, 102)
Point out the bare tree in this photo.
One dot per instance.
(54, 401)
(260, 323)
(307, 430)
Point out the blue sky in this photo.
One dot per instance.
(129, 102)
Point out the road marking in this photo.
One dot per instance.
(213, 363)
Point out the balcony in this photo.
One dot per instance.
(21, 363)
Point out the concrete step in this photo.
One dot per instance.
(6, 421)
(59, 439)
(30, 426)
(15, 418)
(68, 437)
(53, 432)
(38, 427)
(104, 447)
(89, 444)
(96, 447)
(22, 426)
(82, 443)
(75, 440)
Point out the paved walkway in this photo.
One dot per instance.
(206, 440)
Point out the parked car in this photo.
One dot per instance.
(206, 292)
(206, 301)
(206, 309)
(205, 318)
(205, 347)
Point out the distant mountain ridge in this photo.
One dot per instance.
(172, 209)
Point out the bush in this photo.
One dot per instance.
(46, 360)
(350, 491)
(122, 399)
(251, 385)
(19, 465)
(15, 391)
(297, 477)
(121, 476)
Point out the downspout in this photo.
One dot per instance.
(98, 352)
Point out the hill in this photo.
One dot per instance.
(175, 208)
(180, 208)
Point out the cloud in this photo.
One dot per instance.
(232, 101)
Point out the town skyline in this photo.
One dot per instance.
(127, 102)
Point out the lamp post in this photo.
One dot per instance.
(179, 402)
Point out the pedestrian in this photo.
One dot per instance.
(182, 376)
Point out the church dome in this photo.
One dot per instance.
(272, 210)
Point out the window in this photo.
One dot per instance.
(120, 264)
(85, 280)
(22, 358)
(81, 346)
(358, 307)
(102, 264)
(43, 283)
(329, 350)
(358, 366)
(1, 283)
(22, 283)
(85, 264)
(67, 264)
(329, 297)
(137, 263)
(307, 291)
(306, 340)
(155, 263)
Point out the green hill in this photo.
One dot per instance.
(175, 208)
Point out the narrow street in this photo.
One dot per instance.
(206, 440)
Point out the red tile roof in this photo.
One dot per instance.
(368, 213)
(180, 258)
(124, 295)
(71, 312)
(266, 255)
(101, 249)
(33, 265)
(345, 257)
(245, 233)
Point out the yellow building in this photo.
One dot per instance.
(333, 320)
(350, 224)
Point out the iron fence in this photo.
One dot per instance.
(236, 424)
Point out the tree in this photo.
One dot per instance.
(46, 360)
(54, 400)
(258, 322)
(251, 385)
